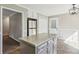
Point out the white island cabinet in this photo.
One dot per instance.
(40, 44)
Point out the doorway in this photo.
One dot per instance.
(12, 30)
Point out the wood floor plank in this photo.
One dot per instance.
(9, 44)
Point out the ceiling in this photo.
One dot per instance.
(7, 13)
(48, 9)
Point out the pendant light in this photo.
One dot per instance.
(74, 10)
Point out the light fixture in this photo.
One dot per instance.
(74, 10)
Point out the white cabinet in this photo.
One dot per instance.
(55, 45)
(44, 48)
(40, 44)
(50, 47)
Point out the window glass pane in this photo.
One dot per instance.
(34, 24)
(32, 32)
(30, 24)
(53, 24)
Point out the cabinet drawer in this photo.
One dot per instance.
(43, 51)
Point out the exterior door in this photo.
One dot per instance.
(31, 26)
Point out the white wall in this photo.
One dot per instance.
(16, 26)
(42, 21)
(42, 24)
(6, 26)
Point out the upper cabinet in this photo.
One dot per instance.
(32, 14)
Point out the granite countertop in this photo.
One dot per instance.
(38, 39)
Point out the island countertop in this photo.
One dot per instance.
(38, 39)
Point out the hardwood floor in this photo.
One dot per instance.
(10, 45)
(63, 48)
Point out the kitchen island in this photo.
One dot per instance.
(42, 43)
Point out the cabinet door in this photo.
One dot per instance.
(50, 47)
(42, 49)
(55, 45)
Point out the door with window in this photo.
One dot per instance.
(31, 26)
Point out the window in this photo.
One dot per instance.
(31, 26)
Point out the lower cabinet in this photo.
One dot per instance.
(44, 48)
(50, 47)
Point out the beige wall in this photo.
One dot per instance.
(68, 24)
(69, 21)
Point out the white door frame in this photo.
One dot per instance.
(2, 7)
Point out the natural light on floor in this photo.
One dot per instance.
(73, 40)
